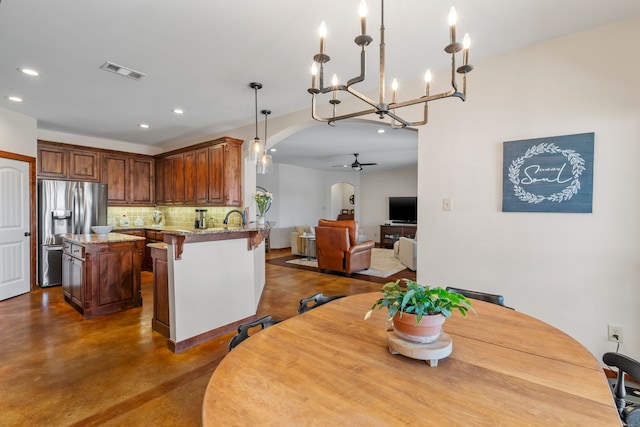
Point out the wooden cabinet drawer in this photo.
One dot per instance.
(154, 235)
(74, 250)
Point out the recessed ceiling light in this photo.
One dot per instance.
(380, 130)
(178, 111)
(144, 125)
(29, 72)
(272, 150)
(14, 98)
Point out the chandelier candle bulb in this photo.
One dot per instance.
(323, 36)
(363, 17)
(427, 82)
(314, 76)
(453, 17)
(466, 42)
(394, 88)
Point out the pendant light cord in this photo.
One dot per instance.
(256, 97)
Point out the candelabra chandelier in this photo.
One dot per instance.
(382, 107)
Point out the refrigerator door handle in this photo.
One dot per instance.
(78, 211)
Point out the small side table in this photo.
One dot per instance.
(310, 242)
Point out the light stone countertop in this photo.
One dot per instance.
(93, 239)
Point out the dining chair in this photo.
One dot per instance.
(629, 414)
(316, 300)
(482, 296)
(245, 328)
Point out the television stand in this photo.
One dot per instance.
(390, 233)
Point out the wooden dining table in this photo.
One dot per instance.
(331, 367)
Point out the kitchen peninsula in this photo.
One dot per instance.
(215, 280)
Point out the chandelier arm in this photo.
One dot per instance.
(330, 120)
(361, 96)
(363, 62)
(454, 84)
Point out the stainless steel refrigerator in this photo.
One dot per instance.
(65, 207)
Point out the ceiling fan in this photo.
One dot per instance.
(356, 165)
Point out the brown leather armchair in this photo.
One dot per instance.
(337, 248)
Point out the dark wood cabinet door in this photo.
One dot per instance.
(52, 162)
(115, 173)
(66, 275)
(169, 182)
(202, 176)
(232, 178)
(77, 281)
(160, 322)
(216, 174)
(178, 179)
(142, 181)
(159, 179)
(84, 165)
(189, 160)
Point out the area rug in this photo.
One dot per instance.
(383, 263)
(384, 267)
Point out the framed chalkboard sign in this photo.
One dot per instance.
(553, 174)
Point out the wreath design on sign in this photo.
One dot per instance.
(577, 167)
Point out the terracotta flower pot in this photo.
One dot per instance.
(428, 330)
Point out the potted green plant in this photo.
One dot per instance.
(419, 311)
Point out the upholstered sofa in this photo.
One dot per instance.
(338, 249)
(406, 250)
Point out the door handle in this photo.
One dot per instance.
(27, 234)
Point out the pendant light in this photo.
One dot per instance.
(265, 163)
(256, 148)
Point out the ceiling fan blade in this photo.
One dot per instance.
(368, 164)
(340, 166)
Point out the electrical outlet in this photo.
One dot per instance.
(615, 333)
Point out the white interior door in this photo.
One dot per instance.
(14, 228)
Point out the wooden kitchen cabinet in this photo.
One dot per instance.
(72, 277)
(52, 161)
(130, 179)
(84, 165)
(160, 321)
(152, 237)
(206, 174)
(189, 165)
(102, 278)
(62, 161)
(233, 173)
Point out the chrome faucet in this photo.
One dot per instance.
(226, 218)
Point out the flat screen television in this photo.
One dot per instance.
(403, 210)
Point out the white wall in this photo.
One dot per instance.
(376, 187)
(89, 141)
(578, 272)
(18, 133)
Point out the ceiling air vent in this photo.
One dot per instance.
(123, 71)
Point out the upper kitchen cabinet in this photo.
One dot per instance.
(130, 179)
(62, 161)
(232, 184)
(206, 174)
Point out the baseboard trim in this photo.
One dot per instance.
(178, 346)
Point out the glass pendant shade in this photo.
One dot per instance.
(265, 165)
(256, 150)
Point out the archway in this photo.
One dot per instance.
(342, 200)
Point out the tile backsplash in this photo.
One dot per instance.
(175, 216)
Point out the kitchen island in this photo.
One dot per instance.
(101, 274)
(215, 278)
